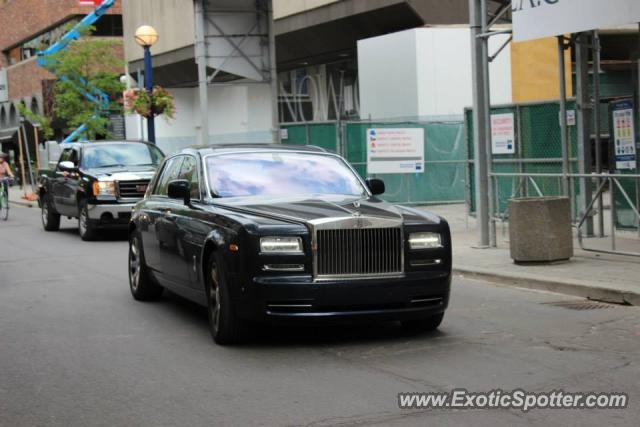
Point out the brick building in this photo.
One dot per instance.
(28, 26)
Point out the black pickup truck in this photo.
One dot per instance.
(98, 183)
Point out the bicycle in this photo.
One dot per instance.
(4, 198)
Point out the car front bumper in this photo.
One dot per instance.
(414, 295)
(110, 214)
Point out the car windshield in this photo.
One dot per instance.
(280, 174)
(120, 155)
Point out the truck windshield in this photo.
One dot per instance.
(281, 174)
(120, 155)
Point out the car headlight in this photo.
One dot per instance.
(425, 240)
(104, 188)
(281, 245)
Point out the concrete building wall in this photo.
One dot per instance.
(174, 20)
(284, 8)
(424, 72)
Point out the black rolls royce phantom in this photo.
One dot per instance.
(272, 232)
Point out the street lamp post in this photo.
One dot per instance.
(146, 36)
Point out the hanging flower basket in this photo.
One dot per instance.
(159, 103)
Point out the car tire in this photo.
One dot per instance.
(224, 325)
(425, 324)
(86, 230)
(50, 219)
(143, 287)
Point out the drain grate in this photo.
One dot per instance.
(582, 305)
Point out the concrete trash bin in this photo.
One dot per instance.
(540, 229)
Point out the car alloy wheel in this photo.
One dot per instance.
(214, 299)
(134, 264)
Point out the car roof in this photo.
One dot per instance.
(235, 148)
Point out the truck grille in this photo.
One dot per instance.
(132, 189)
(369, 251)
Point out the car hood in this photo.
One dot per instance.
(120, 174)
(308, 210)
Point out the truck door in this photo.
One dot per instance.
(65, 185)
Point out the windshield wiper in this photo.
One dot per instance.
(118, 165)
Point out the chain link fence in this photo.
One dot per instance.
(538, 149)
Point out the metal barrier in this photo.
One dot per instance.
(613, 182)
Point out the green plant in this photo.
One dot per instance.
(159, 103)
(43, 121)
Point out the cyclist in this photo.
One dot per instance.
(5, 171)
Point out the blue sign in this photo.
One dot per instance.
(624, 134)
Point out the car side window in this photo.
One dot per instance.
(75, 158)
(189, 172)
(170, 172)
(66, 155)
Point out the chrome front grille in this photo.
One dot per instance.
(357, 252)
(132, 189)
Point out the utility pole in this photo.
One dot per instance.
(583, 115)
(482, 144)
(564, 136)
(201, 60)
(273, 75)
(596, 124)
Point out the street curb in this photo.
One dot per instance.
(558, 286)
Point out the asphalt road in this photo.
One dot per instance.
(77, 350)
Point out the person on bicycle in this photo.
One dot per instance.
(5, 169)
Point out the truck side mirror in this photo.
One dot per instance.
(180, 189)
(67, 166)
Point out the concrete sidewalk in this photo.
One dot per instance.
(16, 195)
(591, 275)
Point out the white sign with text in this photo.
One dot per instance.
(503, 134)
(395, 150)
(534, 19)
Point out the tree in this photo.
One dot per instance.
(85, 65)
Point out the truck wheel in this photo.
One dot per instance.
(86, 229)
(224, 325)
(50, 219)
(142, 285)
(426, 324)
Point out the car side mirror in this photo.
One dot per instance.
(67, 166)
(376, 186)
(180, 189)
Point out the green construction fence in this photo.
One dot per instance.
(444, 176)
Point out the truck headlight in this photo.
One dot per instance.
(281, 245)
(425, 241)
(104, 188)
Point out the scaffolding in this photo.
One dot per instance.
(483, 16)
